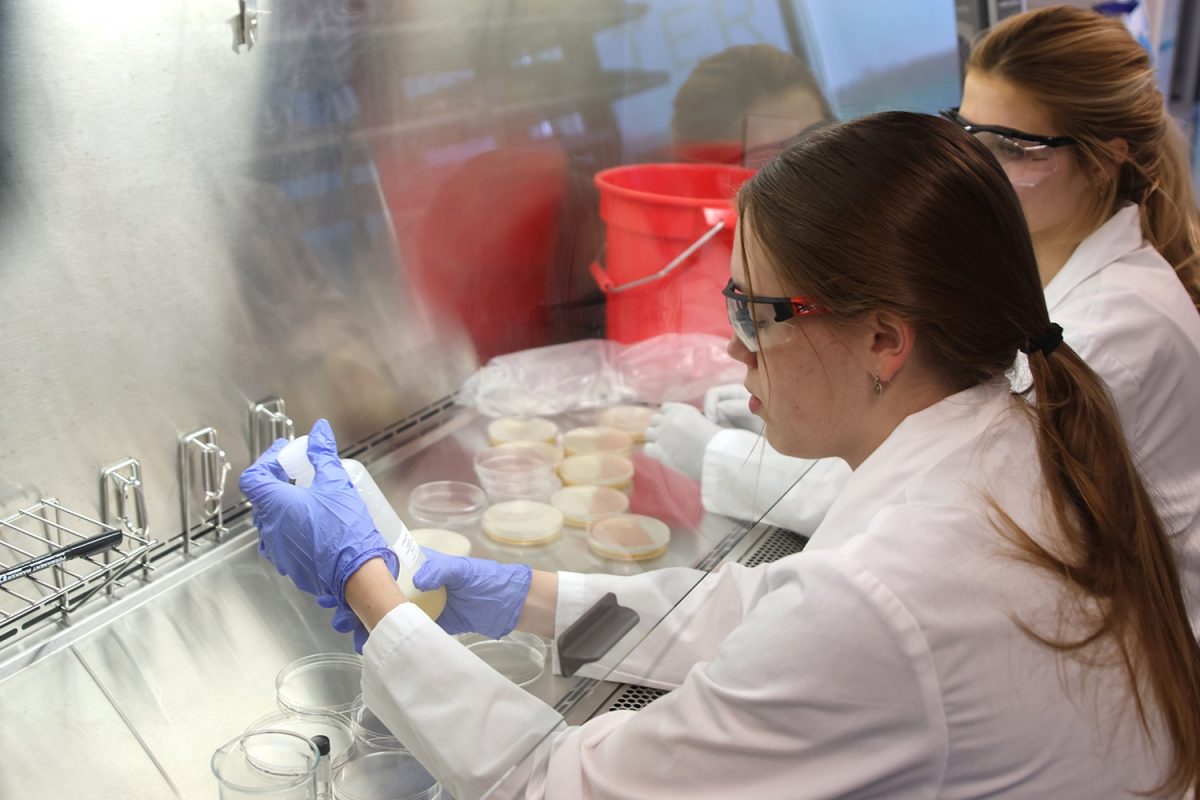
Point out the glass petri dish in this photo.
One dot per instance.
(266, 764)
(523, 523)
(387, 775)
(634, 420)
(583, 505)
(370, 734)
(597, 439)
(629, 537)
(522, 429)
(514, 461)
(447, 504)
(516, 660)
(449, 542)
(308, 726)
(327, 683)
(550, 451)
(597, 469)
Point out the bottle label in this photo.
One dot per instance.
(407, 550)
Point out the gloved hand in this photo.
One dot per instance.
(317, 536)
(678, 436)
(481, 596)
(345, 621)
(728, 406)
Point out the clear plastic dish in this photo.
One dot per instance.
(387, 775)
(523, 523)
(447, 504)
(540, 490)
(597, 439)
(327, 683)
(634, 420)
(449, 542)
(597, 469)
(550, 451)
(370, 734)
(629, 537)
(583, 505)
(309, 725)
(522, 429)
(516, 660)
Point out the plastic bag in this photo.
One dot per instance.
(594, 373)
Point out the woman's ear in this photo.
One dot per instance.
(891, 342)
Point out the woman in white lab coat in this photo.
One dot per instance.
(1001, 617)
(1067, 100)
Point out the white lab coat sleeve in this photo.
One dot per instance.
(683, 614)
(743, 475)
(826, 690)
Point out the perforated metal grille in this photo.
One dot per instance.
(774, 546)
(634, 698)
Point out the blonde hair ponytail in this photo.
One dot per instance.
(1097, 84)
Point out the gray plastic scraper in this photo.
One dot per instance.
(594, 633)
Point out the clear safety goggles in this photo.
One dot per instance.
(752, 318)
(1027, 158)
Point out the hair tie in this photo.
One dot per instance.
(1045, 343)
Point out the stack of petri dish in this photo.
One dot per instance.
(633, 420)
(629, 537)
(518, 656)
(370, 734)
(384, 775)
(522, 429)
(516, 473)
(597, 469)
(523, 523)
(336, 729)
(447, 504)
(597, 439)
(324, 684)
(583, 505)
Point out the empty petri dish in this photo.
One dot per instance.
(551, 451)
(516, 660)
(629, 537)
(442, 540)
(583, 505)
(540, 490)
(522, 429)
(447, 504)
(370, 734)
(597, 439)
(309, 725)
(327, 683)
(523, 523)
(385, 775)
(634, 420)
(597, 469)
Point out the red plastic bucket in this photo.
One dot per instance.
(668, 234)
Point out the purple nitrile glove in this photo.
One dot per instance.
(320, 535)
(481, 596)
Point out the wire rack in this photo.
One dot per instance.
(46, 526)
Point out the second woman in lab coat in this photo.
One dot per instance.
(1111, 211)
(1001, 616)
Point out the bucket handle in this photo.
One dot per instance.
(722, 218)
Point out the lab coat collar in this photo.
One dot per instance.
(1112, 241)
(918, 443)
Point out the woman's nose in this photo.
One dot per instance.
(739, 352)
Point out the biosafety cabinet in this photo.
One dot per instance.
(225, 219)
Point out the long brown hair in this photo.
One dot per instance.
(907, 213)
(1097, 84)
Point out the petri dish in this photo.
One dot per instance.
(629, 537)
(447, 504)
(550, 451)
(523, 523)
(634, 420)
(583, 505)
(451, 543)
(327, 683)
(522, 429)
(370, 734)
(541, 490)
(597, 469)
(597, 439)
(386, 775)
(516, 660)
(266, 764)
(308, 726)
